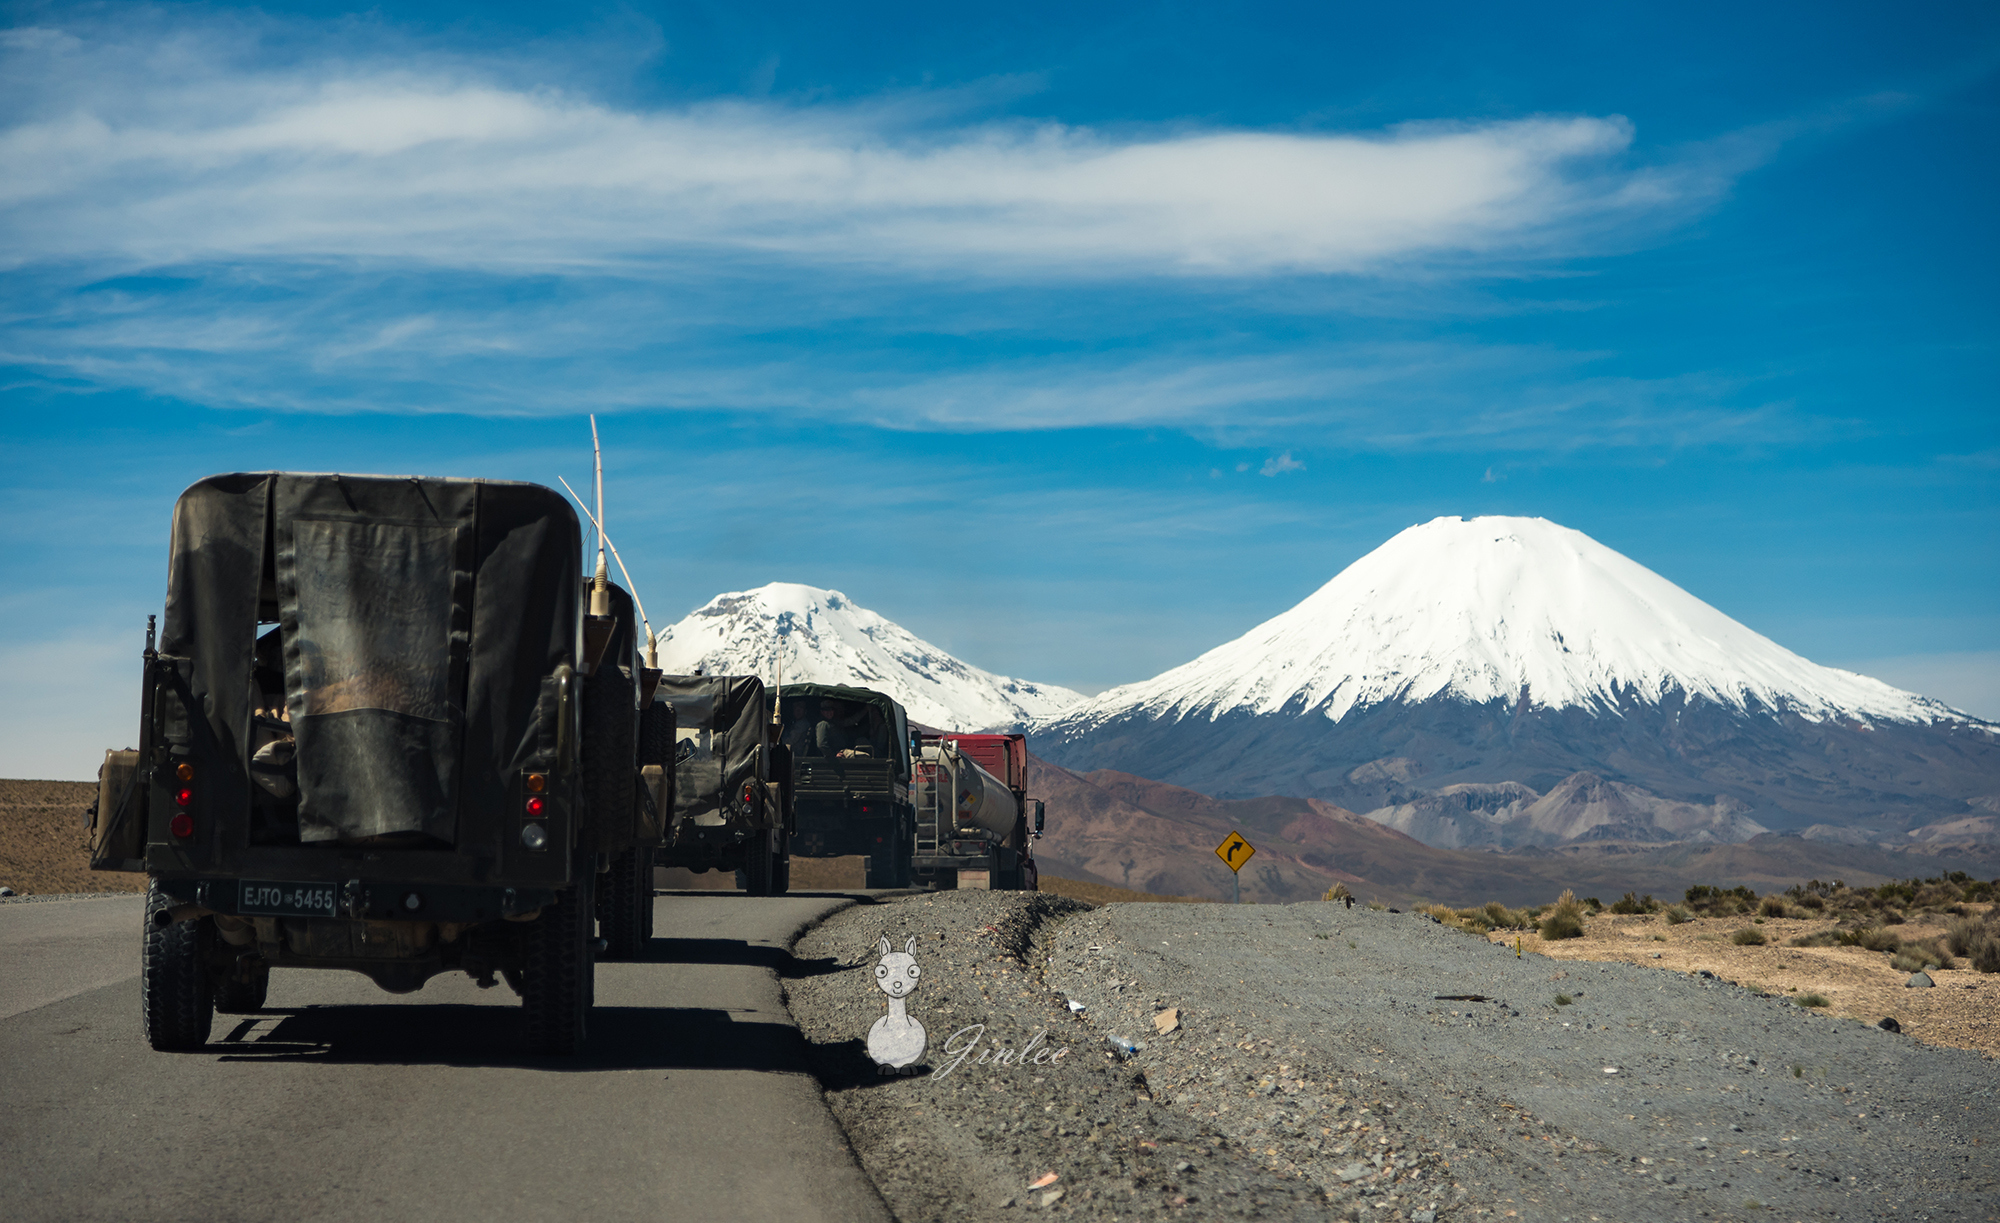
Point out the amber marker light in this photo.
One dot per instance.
(537, 782)
(185, 772)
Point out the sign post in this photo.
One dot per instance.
(1234, 852)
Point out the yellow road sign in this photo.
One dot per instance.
(1235, 851)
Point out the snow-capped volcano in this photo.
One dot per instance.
(826, 638)
(1461, 680)
(1516, 609)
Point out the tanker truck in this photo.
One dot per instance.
(973, 813)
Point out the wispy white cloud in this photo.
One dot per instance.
(189, 149)
(1279, 464)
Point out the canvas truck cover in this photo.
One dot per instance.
(418, 617)
(892, 713)
(721, 721)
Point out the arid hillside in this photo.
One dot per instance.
(1150, 836)
(44, 849)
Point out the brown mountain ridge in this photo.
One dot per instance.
(1132, 832)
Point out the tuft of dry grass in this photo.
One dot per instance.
(1813, 1000)
(1566, 919)
(1748, 937)
(1978, 941)
(1337, 892)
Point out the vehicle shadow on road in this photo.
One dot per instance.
(621, 1038)
(843, 1064)
(737, 951)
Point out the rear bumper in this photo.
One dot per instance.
(378, 899)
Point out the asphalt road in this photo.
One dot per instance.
(340, 1101)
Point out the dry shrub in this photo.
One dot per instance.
(1825, 938)
(1913, 957)
(1812, 1000)
(1772, 906)
(1720, 902)
(1985, 954)
(1747, 937)
(1879, 939)
(1338, 892)
(1566, 919)
(1678, 915)
(1978, 941)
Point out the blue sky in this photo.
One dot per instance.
(1077, 339)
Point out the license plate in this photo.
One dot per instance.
(287, 899)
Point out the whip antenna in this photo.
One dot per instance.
(652, 640)
(600, 585)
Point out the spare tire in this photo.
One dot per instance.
(610, 756)
(176, 992)
(555, 971)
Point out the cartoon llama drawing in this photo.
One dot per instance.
(896, 1039)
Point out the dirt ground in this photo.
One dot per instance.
(44, 849)
(1962, 1010)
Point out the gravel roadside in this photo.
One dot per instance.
(1316, 1072)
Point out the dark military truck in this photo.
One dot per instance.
(381, 730)
(732, 808)
(851, 777)
(973, 813)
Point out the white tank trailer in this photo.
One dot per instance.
(979, 799)
(972, 826)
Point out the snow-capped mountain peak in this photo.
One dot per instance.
(826, 638)
(1500, 608)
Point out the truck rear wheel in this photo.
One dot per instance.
(781, 868)
(757, 869)
(243, 995)
(625, 909)
(176, 993)
(555, 972)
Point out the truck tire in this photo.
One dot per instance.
(625, 907)
(176, 993)
(757, 862)
(555, 972)
(244, 996)
(781, 868)
(610, 755)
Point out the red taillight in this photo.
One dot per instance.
(535, 806)
(749, 791)
(182, 825)
(184, 797)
